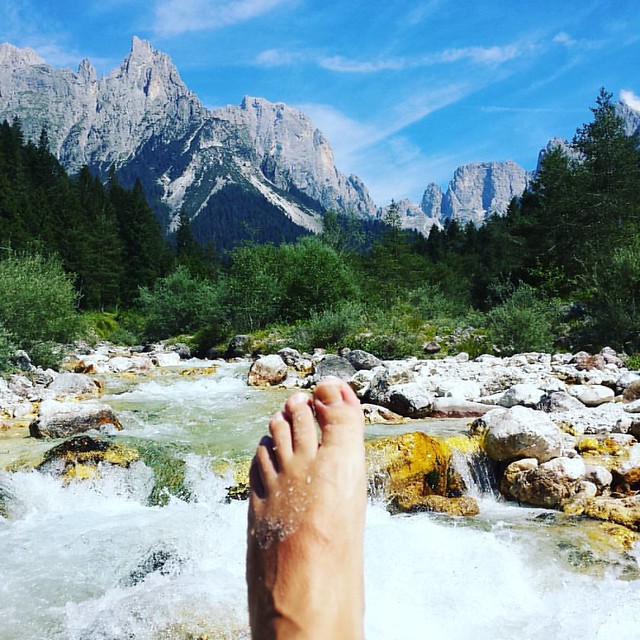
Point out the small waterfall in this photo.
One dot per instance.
(477, 473)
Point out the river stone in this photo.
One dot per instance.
(459, 389)
(626, 471)
(633, 407)
(458, 408)
(599, 476)
(360, 382)
(290, 356)
(63, 419)
(73, 385)
(386, 377)
(546, 485)
(166, 359)
(238, 346)
(459, 506)
(362, 360)
(592, 395)
(267, 371)
(519, 432)
(630, 383)
(557, 401)
(625, 511)
(375, 414)
(411, 400)
(332, 365)
(527, 395)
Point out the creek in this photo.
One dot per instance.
(93, 560)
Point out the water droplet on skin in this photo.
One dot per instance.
(308, 479)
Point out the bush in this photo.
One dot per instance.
(179, 303)
(329, 329)
(522, 323)
(7, 351)
(431, 304)
(38, 306)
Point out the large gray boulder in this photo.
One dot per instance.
(63, 419)
(362, 360)
(519, 432)
(332, 365)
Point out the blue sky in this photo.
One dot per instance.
(405, 91)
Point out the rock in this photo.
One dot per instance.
(332, 365)
(239, 346)
(410, 400)
(629, 385)
(549, 484)
(527, 395)
(181, 349)
(78, 458)
(64, 419)
(166, 359)
(625, 511)
(74, 385)
(291, 357)
(599, 476)
(583, 361)
(360, 382)
(360, 359)
(431, 347)
(626, 471)
(386, 377)
(519, 432)
(459, 506)
(592, 395)
(558, 401)
(411, 464)
(459, 389)
(22, 360)
(267, 371)
(458, 408)
(375, 414)
(611, 357)
(120, 364)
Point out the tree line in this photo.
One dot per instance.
(560, 270)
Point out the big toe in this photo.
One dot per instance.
(338, 412)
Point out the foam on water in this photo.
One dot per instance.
(92, 560)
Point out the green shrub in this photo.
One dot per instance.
(431, 304)
(179, 303)
(38, 306)
(330, 328)
(522, 323)
(7, 351)
(633, 362)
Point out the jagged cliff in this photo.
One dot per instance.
(142, 119)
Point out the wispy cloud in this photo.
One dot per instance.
(572, 43)
(487, 56)
(174, 17)
(630, 99)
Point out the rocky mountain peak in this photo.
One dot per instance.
(13, 56)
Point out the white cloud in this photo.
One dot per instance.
(344, 65)
(278, 58)
(630, 99)
(173, 17)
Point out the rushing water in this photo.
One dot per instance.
(91, 560)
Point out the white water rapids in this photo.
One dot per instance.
(91, 560)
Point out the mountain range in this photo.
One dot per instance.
(255, 170)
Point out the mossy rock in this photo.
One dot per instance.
(78, 458)
(416, 464)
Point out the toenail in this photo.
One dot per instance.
(298, 398)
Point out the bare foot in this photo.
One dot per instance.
(306, 520)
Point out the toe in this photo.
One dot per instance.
(280, 429)
(303, 427)
(266, 465)
(338, 411)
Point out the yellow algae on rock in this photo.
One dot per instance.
(414, 465)
(460, 506)
(199, 371)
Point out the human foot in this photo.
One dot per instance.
(306, 520)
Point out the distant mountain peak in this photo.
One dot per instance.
(11, 55)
